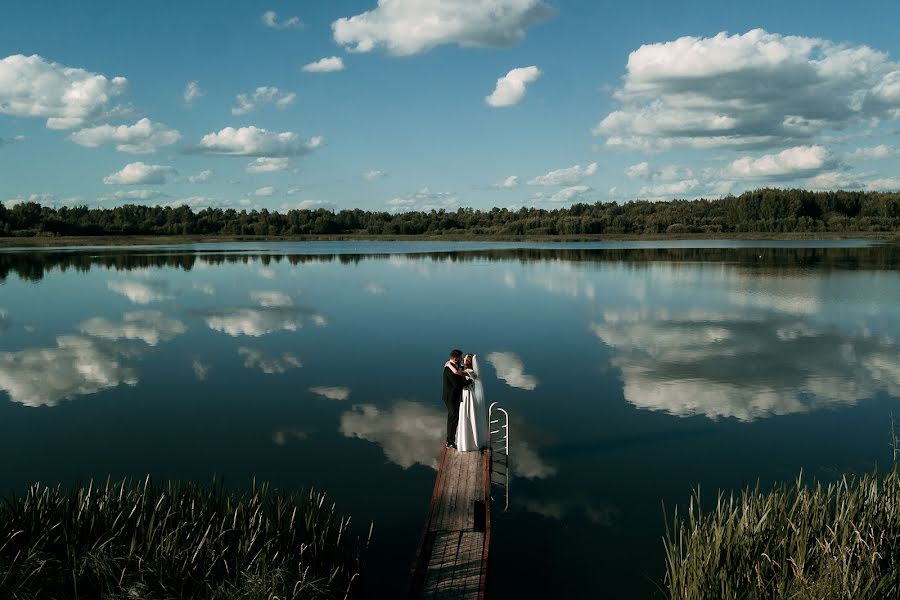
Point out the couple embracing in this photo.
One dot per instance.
(467, 426)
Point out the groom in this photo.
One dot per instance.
(453, 387)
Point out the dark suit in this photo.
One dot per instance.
(453, 388)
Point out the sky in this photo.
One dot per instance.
(438, 104)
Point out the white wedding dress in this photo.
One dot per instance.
(472, 431)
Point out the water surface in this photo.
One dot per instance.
(634, 371)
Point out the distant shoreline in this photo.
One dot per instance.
(157, 240)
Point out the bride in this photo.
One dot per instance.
(472, 431)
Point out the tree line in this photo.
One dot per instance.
(766, 210)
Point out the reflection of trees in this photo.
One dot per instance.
(32, 265)
(746, 367)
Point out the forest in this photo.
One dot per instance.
(759, 211)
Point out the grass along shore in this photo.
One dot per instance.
(840, 540)
(174, 540)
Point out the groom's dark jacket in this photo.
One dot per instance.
(453, 387)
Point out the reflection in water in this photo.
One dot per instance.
(204, 288)
(200, 368)
(374, 288)
(268, 363)
(4, 320)
(601, 514)
(256, 322)
(75, 367)
(409, 433)
(332, 393)
(271, 298)
(746, 367)
(142, 292)
(150, 326)
(511, 369)
(282, 437)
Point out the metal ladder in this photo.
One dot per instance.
(500, 448)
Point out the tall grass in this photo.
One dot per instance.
(175, 540)
(799, 540)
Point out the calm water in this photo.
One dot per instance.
(633, 372)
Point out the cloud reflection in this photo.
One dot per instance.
(4, 320)
(76, 366)
(268, 363)
(142, 292)
(511, 369)
(149, 326)
(271, 298)
(742, 366)
(256, 322)
(332, 393)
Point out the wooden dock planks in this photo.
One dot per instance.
(453, 552)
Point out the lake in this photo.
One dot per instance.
(633, 372)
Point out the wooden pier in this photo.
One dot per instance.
(453, 553)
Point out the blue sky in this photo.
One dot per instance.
(598, 101)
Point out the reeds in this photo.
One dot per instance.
(799, 541)
(175, 540)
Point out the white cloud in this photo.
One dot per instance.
(131, 195)
(566, 194)
(874, 152)
(256, 322)
(423, 200)
(508, 183)
(149, 326)
(325, 65)
(409, 433)
(566, 176)
(332, 393)
(511, 369)
(800, 161)
(644, 171)
(139, 173)
(668, 189)
(192, 91)
(144, 137)
(76, 366)
(67, 97)
(201, 177)
(271, 298)
(833, 180)
(374, 175)
(270, 20)
(267, 363)
(264, 191)
(406, 27)
(247, 103)
(883, 184)
(267, 165)
(308, 205)
(510, 88)
(142, 292)
(706, 92)
(253, 141)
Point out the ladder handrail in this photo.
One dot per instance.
(504, 429)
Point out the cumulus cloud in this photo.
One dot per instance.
(192, 91)
(568, 176)
(144, 137)
(142, 292)
(150, 326)
(424, 199)
(268, 363)
(264, 191)
(76, 366)
(507, 183)
(374, 175)
(874, 152)
(332, 393)
(800, 161)
(253, 141)
(66, 97)
(308, 205)
(139, 173)
(644, 171)
(328, 64)
(271, 298)
(409, 433)
(695, 364)
(131, 195)
(511, 369)
(256, 322)
(406, 27)
(270, 20)
(705, 92)
(662, 190)
(247, 103)
(267, 165)
(510, 88)
(566, 194)
(201, 177)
